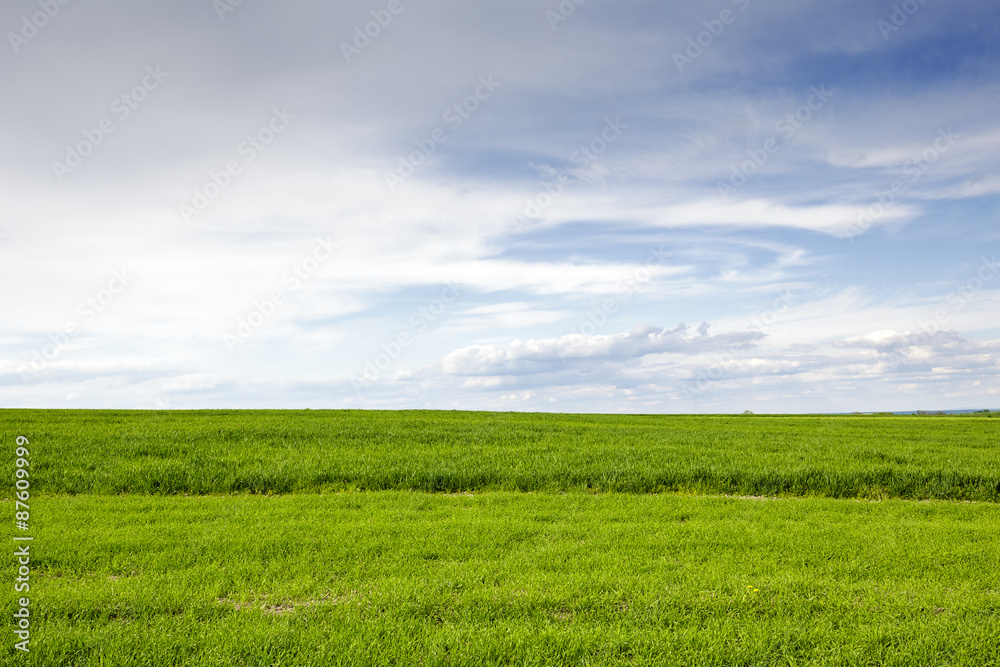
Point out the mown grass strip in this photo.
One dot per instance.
(513, 578)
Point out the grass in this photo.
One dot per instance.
(447, 538)
(308, 451)
(518, 579)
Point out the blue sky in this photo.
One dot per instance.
(529, 205)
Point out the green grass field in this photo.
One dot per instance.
(312, 451)
(447, 538)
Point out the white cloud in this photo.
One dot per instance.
(536, 356)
